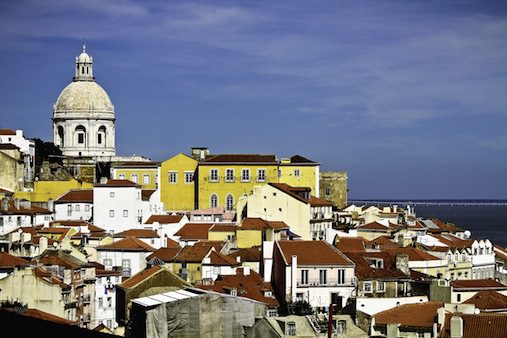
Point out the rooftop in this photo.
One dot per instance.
(419, 315)
(312, 253)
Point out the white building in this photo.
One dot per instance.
(26, 148)
(166, 225)
(312, 271)
(105, 298)
(15, 213)
(83, 115)
(75, 205)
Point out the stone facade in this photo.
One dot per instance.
(333, 187)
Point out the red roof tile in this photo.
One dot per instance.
(164, 219)
(488, 300)
(223, 227)
(373, 226)
(8, 261)
(420, 315)
(34, 313)
(76, 196)
(479, 326)
(127, 244)
(219, 259)
(7, 132)
(350, 244)
(164, 254)
(252, 254)
(477, 284)
(413, 254)
(194, 231)
(251, 223)
(139, 233)
(312, 253)
(197, 252)
(117, 183)
(315, 201)
(140, 276)
(365, 270)
(146, 194)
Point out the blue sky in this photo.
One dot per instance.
(408, 97)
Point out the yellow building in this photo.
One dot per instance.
(253, 231)
(146, 174)
(45, 190)
(223, 179)
(177, 189)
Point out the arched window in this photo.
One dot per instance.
(101, 136)
(80, 135)
(61, 136)
(229, 202)
(213, 201)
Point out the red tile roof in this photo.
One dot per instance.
(221, 227)
(194, 231)
(139, 233)
(292, 191)
(219, 259)
(8, 146)
(76, 196)
(413, 254)
(240, 158)
(251, 286)
(479, 326)
(116, 183)
(8, 261)
(300, 160)
(164, 219)
(140, 276)
(453, 241)
(164, 254)
(488, 300)
(350, 244)
(316, 202)
(373, 226)
(419, 315)
(59, 261)
(500, 252)
(477, 284)
(312, 253)
(170, 243)
(34, 313)
(365, 270)
(146, 194)
(127, 244)
(106, 273)
(48, 277)
(252, 254)
(32, 210)
(197, 252)
(7, 132)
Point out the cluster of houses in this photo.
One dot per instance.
(241, 245)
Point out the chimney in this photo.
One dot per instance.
(51, 205)
(402, 263)
(16, 203)
(43, 244)
(393, 330)
(440, 316)
(199, 153)
(246, 270)
(103, 180)
(238, 259)
(5, 204)
(293, 270)
(25, 237)
(456, 327)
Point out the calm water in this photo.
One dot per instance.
(483, 221)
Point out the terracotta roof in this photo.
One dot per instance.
(8, 261)
(170, 243)
(105, 273)
(116, 183)
(48, 277)
(194, 231)
(251, 223)
(300, 159)
(127, 244)
(350, 244)
(488, 300)
(197, 252)
(419, 315)
(315, 201)
(413, 254)
(164, 254)
(8, 146)
(453, 241)
(164, 219)
(76, 196)
(240, 158)
(139, 233)
(140, 276)
(500, 252)
(251, 286)
(146, 194)
(54, 258)
(477, 284)
(34, 313)
(365, 270)
(252, 254)
(5, 191)
(312, 253)
(479, 326)
(219, 259)
(223, 227)
(374, 226)
(292, 191)
(32, 210)
(443, 227)
(7, 132)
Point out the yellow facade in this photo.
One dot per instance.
(144, 175)
(234, 185)
(300, 175)
(220, 235)
(194, 273)
(45, 190)
(177, 190)
(248, 238)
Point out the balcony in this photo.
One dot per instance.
(329, 283)
(86, 299)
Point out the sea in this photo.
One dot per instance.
(485, 219)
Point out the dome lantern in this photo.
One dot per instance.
(84, 67)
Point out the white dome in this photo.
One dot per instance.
(83, 96)
(84, 58)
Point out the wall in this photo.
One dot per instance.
(45, 190)
(179, 195)
(334, 182)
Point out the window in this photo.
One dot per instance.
(328, 191)
(458, 297)
(213, 201)
(341, 276)
(111, 213)
(121, 176)
(146, 179)
(341, 326)
(304, 277)
(189, 176)
(107, 262)
(87, 207)
(420, 334)
(229, 175)
(69, 210)
(291, 328)
(261, 175)
(367, 287)
(111, 194)
(99, 138)
(110, 323)
(297, 173)
(481, 251)
(456, 257)
(213, 175)
(173, 175)
(125, 213)
(78, 207)
(216, 270)
(299, 297)
(229, 202)
(133, 178)
(381, 286)
(245, 175)
(109, 301)
(322, 277)
(80, 138)
(101, 302)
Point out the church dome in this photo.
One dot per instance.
(82, 97)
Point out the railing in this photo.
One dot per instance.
(331, 282)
